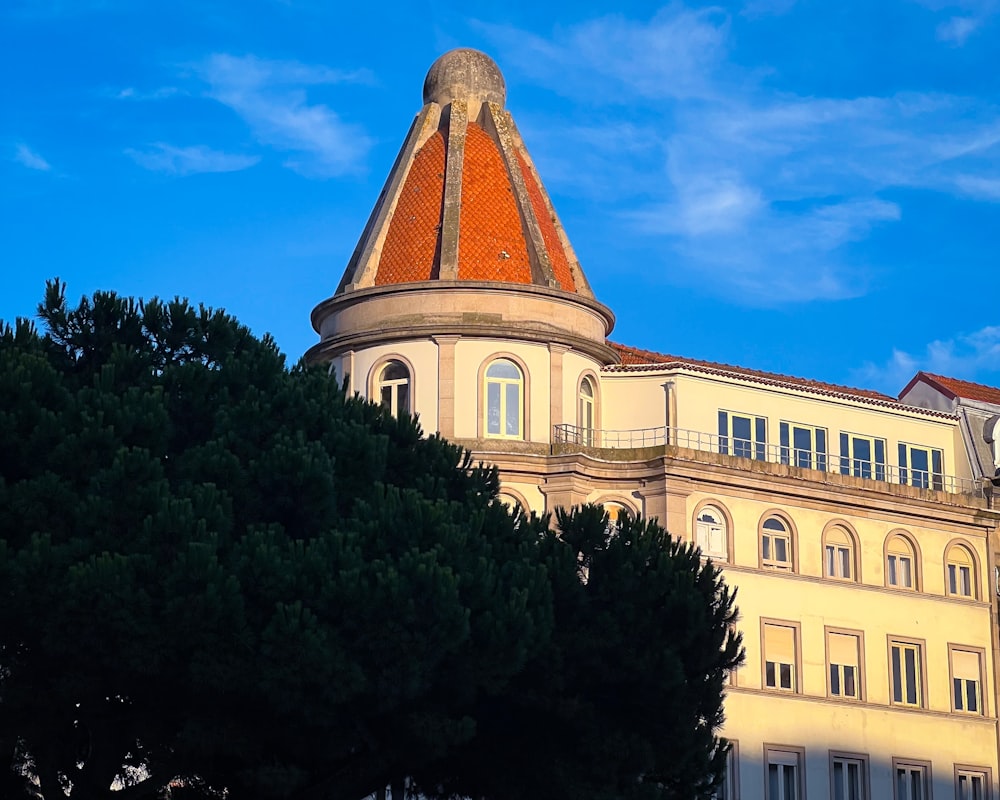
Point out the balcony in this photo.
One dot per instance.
(643, 443)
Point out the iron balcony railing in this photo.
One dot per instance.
(761, 451)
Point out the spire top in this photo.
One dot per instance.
(464, 74)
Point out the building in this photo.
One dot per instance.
(858, 526)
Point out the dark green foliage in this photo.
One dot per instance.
(221, 572)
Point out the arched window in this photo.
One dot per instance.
(586, 412)
(961, 569)
(394, 387)
(711, 534)
(839, 555)
(776, 544)
(900, 563)
(504, 400)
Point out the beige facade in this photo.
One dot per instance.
(857, 527)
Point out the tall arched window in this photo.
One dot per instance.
(900, 563)
(394, 387)
(504, 400)
(586, 412)
(839, 555)
(961, 577)
(711, 534)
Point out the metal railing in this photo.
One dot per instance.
(761, 451)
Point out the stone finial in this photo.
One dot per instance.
(464, 74)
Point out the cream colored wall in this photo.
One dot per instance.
(637, 400)
(423, 356)
(470, 355)
(757, 715)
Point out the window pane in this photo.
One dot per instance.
(786, 676)
(905, 572)
(780, 549)
(911, 676)
(513, 409)
(493, 408)
(893, 577)
(845, 562)
(502, 368)
(769, 677)
(897, 676)
(802, 442)
(790, 793)
(773, 782)
(972, 696)
(766, 542)
(741, 436)
(835, 679)
(850, 689)
(403, 398)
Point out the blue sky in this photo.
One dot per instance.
(803, 187)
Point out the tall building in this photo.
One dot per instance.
(858, 526)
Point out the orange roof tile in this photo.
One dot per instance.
(491, 243)
(634, 359)
(553, 245)
(953, 387)
(409, 252)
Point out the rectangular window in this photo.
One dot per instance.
(803, 445)
(966, 681)
(972, 783)
(911, 779)
(784, 773)
(742, 435)
(921, 466)
(848, 776)
(960, 580)
(905, 672)
(843, 653)
(862, 456)
(780, 649)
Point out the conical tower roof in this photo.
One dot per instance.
(464, 201)
(463, 207)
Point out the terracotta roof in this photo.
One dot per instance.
(409, 252)
(635, 360)
(953, 387)
(553, 245)
(491, 243)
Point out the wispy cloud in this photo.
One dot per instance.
(966, 356)
(957, 29)
(161, 157)
(269, 96)
(759, 192)
(673, 55)
(27, 157)
(131, 93)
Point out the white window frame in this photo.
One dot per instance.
(924, 479)
(784, 762)
(705, 532)
(960, 577)
(960, 684)
(903, 646)
(966, 778)
(850, 464)
(755, 447)
(816, 456)
(768, 544)
(834, 667)
(503, 383)
(845, 761)
(771, 662)
(906, 773)
(393, 385)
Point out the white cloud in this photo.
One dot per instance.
(27, 157)
(965, 356)
(161, 157)
(131, 93)
(269, 97)
(957, 29)
(673, 55)
(753, 191)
